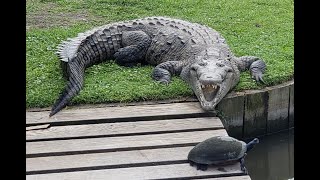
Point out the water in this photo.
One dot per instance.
(272, 158)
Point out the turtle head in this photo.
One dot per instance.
(252, 143)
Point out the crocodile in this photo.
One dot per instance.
(197, 53)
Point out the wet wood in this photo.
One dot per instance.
(291, 107)
(232, 110)
(278, 106)
(255, 117)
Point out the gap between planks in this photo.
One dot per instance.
(108, 144)
(124, 129)
(105, 160)
(146, 172)
(111, 160)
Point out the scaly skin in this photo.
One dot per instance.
(197, 53)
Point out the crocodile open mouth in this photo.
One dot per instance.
(210, 91)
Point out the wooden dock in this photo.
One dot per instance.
(130, 142)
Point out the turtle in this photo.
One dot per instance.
(220, 150)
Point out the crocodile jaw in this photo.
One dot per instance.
(207, 94)
(210, 93)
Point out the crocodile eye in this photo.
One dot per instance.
(229, 69)
(220, 65)
(193, 68)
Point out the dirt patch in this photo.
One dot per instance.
(45, 20)
(46, 17)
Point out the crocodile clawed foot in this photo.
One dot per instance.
(258, 77)
(164, 81)
(257, 69)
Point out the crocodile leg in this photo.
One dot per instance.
(256, 66)
(163, 71)
(135, 45)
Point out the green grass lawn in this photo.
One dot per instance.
(262, 28)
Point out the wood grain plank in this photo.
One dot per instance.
(122, 128)
(245, 177)
(116, 143)
(146, 172)
(107, 159)
(109, 113)
(31, 128)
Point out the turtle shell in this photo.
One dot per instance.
(217, 150)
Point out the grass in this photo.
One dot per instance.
(261, 28)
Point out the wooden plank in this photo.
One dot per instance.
(291, 107)
(232, 110)
(146, 172)
(161, 111)
(255, 117)
(44, 126)
(117, 143)
(278, 107)
(123, 128)
(245, 177)
(107, 159)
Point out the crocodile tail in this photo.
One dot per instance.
(73, 87)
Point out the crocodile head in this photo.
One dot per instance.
(211, 80)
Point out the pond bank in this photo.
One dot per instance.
(254, 113)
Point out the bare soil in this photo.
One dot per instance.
(45, 17)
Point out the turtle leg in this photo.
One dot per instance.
(191, 163)
(202, 167)
(242, 166)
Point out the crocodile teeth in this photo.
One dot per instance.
(209, 86)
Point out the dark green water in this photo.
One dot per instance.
(272, 158)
